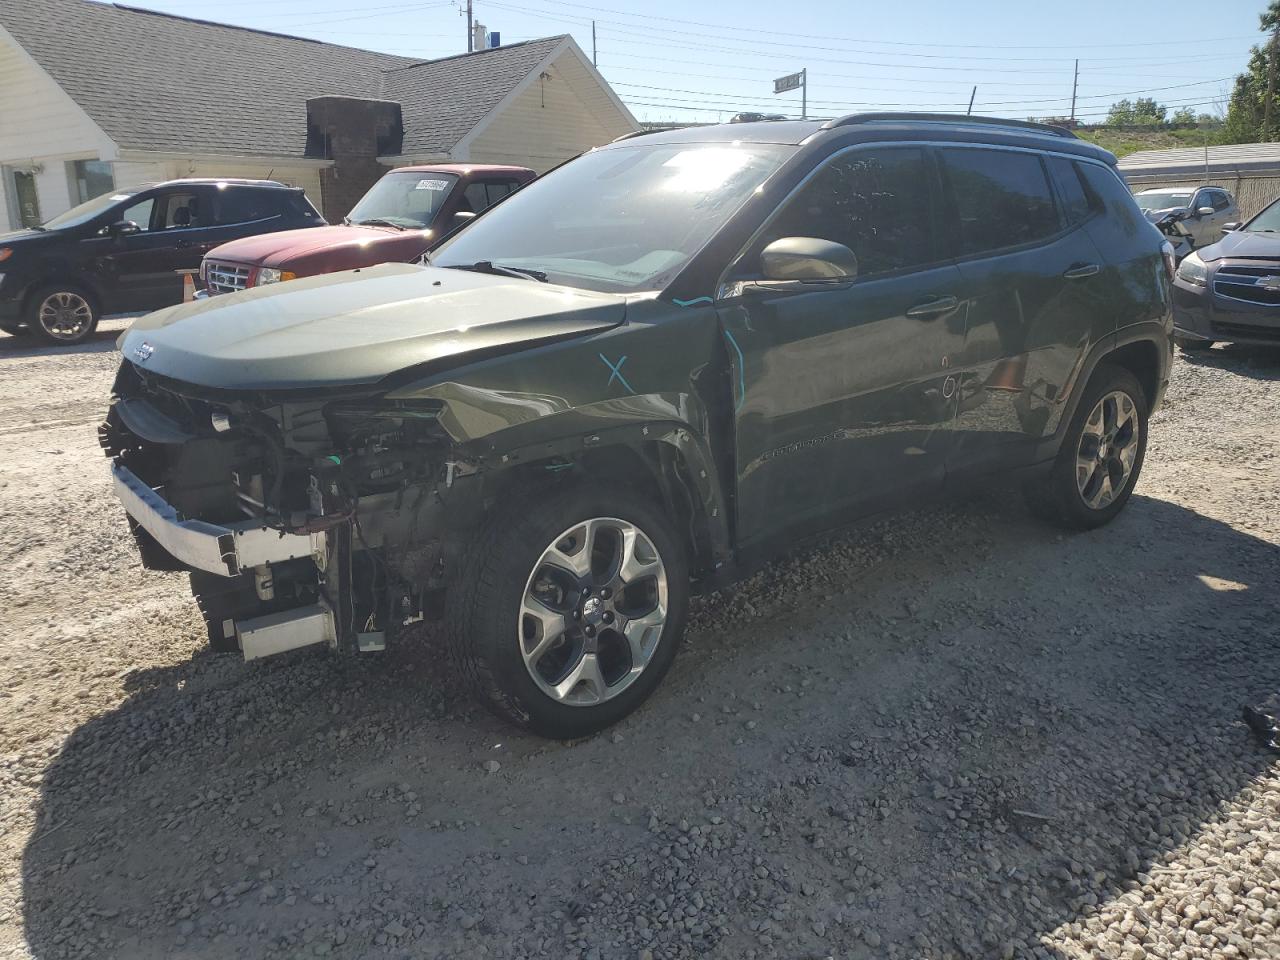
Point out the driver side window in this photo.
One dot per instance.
(140, 213)
(875, 202)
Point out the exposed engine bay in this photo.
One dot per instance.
(302, 519)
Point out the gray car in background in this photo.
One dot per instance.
(1203, 210)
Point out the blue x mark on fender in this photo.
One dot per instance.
(615, 371)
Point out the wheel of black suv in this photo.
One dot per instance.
(569, 610)
(1095, 471)
(62, 314)
(1192, 345)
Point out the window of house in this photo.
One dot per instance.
(1002, 198)
(90, 178)
(875, 202)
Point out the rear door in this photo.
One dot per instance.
(1032, 291)
(843, 395)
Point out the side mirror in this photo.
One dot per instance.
(123, 228)
(1204, 211)
(461, 218)
(808, 260)
(1229, 227)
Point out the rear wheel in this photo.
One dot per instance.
(1101, 457)
(63, 314)
(569, 611)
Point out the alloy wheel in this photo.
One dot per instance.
(593, 611)
(1107, 451)
(65, 315)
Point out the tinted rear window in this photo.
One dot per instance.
(1002, 198)
(246, 204)
(1075, 202)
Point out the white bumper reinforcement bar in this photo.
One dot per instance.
(227, 550)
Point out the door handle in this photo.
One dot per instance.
(1079, 273)
(933, 308)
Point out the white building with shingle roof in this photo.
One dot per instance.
(79, 117)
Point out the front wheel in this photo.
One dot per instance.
(63, 314)
(569, 610)
(1095, 471)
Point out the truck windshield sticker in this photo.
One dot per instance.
(432, 185)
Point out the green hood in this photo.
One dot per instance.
(357, 327)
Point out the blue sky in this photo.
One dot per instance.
(673, 60)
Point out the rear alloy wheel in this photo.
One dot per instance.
(63, 315)
(1101, 455)
(569, 610)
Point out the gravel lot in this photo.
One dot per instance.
(953, 733)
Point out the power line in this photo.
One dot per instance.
(900, 43)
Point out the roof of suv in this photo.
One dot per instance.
(462, 168)
(886, 126)
(235, 181)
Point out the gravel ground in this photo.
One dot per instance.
(952, 733)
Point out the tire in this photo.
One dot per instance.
(495, 621)
(1078, 500)
(63, 314)
(1192, 345)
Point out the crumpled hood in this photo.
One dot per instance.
(1155, 216)
(357, 327)
(1243, 245)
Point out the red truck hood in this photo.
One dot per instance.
(315, 250)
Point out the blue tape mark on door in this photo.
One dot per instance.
(742, 371)
(615, 371)
(690, 303)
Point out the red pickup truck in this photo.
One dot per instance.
(403, 215)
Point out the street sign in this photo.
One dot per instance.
(791, 81)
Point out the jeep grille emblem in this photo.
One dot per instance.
(143, 351)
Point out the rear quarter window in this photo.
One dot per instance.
(1121, 232)
(1076, 208)
(245, 204)
(1002, 198)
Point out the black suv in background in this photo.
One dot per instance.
(128, 250)
(642, 375)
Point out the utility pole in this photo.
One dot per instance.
(971, 96)
(1271, 82)
(471, 37)
(593, 44)
(804, 94)
(1075, 82)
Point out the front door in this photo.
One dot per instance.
(148, 266)
(1032, 283)
(843, 397)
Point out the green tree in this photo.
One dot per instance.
(1253, 110)
(1184, 117)
(1143, 111)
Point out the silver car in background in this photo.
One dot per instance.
(1204, 211)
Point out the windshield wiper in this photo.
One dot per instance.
(501, 269)
(380, 221)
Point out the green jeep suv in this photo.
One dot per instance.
(641, 376)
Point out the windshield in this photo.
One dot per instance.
(1163, 199)
(1268, 221)
(409, 200)
(88, 210)
(618, 220)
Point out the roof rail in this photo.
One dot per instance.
(856, 118)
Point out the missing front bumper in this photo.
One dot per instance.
(224, 549)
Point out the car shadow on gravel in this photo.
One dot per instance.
(1016, 798)
(101, 341)
(1258, 363)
